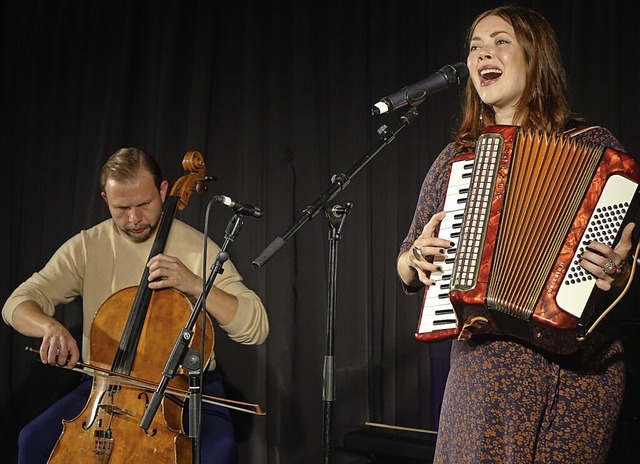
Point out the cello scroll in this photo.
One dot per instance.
(193, 162)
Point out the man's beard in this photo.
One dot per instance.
(142, 238)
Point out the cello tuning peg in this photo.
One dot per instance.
(201, 187)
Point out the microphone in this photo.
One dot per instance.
(240, 208)
(447, 76)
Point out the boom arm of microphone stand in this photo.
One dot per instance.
(338, 183)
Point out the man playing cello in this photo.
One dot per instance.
(109, 257)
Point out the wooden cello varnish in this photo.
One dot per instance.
(133, 333)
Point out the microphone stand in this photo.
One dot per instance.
(336, 216)
(191, 359)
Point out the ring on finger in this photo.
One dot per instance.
(416, 252)
(610, 268)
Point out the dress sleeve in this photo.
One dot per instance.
(431, 195)
(601, 136)
(429, 202)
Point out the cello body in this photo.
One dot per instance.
(108, 429)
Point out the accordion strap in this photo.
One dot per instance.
(579, 130)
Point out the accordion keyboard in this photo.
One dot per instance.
(437, 313)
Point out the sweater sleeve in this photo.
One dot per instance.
(251, 324)
(57, 283)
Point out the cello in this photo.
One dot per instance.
(125, 336)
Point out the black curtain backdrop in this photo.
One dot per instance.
(277, 97)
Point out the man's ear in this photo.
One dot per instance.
(104, 197)
(164, 186)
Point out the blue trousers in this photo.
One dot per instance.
(217, 441)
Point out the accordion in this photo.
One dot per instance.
(521, 211)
